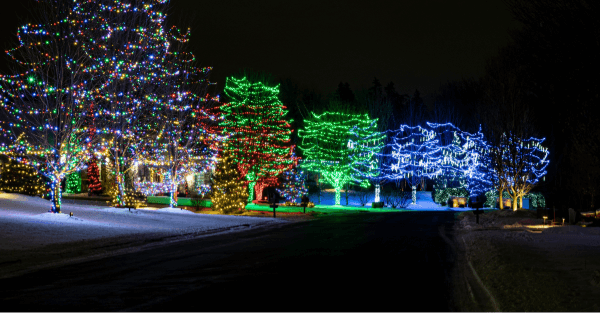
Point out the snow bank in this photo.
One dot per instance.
(26, 222)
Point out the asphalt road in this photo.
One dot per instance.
(354, 262)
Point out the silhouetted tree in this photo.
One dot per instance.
(344, 93)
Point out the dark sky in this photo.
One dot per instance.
(415, 44)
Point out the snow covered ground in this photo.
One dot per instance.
(25, 222)
(424, 201)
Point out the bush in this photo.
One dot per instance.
(397, 198)
(536, 200)
(445, 194)
(196, 201)
(491, 196)
(363, 195)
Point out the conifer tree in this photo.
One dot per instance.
(229, 191)
(293, 186)
(94, 185)
(258, 135)
(73, 183)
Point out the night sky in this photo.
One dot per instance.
(317, 44)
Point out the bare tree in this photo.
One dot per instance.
(48, 113)
(517, 158)
(175, 144)
(129, 45)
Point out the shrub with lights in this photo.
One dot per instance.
(443, 196)
(21, 178)
(536, 200)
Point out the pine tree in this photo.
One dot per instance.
(229, 191)
(73, 183)
(293, 186)
(258, 134)
(94, 185)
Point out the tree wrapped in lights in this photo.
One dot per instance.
(21, 178)
(257, 133)
(415, 155)
(130, 48)
(94, 185)
(525, 164)
(229, 191)
(462, 158)
(340, 147)
(73, 184)
(175, 145)
(46, 103)
(367, 144)
(293, 186)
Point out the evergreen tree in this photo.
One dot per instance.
(293, 186)
(73, 183)
(229, 191)
(94, 185)
(258, 135)
(344, 93)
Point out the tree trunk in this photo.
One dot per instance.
(414, 194)
(377, 192)
(251, 191)
(55, 194)
(338, 190)
(514, 202)
(259, 190)
(319, 185)
(501, 201)
(347, 186)
(173, 189)
(120, 188)
(521, 202)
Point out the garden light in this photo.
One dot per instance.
(545, 217)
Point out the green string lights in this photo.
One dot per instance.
(256, 131)
(341, 147)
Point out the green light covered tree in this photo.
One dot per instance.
(341, 147)
(258, 135)
(73, 183)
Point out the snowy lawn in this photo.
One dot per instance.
(26, 222)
